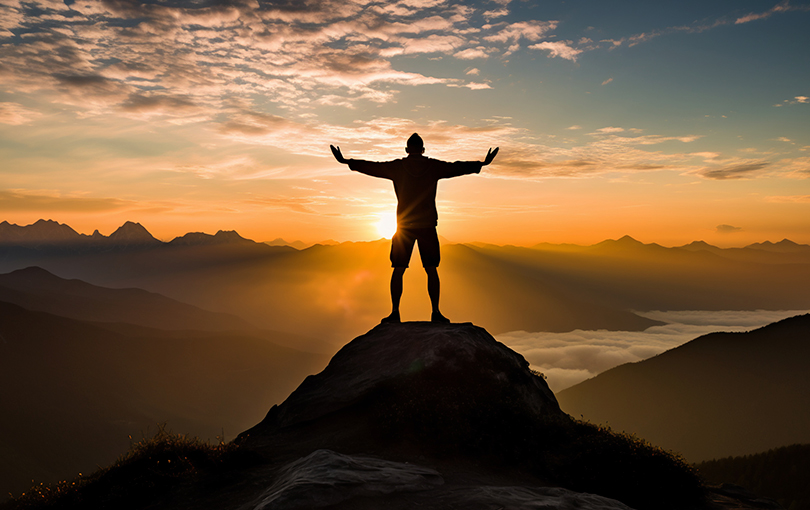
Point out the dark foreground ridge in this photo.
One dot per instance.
(412, 415)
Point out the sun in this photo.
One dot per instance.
(387, 225)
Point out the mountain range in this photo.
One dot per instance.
(331, 292)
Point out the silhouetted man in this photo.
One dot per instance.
(415, 179)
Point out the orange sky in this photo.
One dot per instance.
(631, 121)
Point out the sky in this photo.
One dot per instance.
(667, 121)
(569, 358)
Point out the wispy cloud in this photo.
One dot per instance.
(702, 25)
(15, 201)
(727, 229)
(795, 100)
(741, 171)
(16, 114)
(562, 49)
(780, 7)
(789, 199)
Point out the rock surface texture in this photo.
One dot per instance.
(405, 354)
(325, 479)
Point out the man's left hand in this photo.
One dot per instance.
(490, 155)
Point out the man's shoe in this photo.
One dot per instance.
(391, 319)
(439, 318)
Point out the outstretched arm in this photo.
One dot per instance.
(365, 167)
(490, 155)
(339, 157)
(448, 170)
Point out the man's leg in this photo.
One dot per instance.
(433, 292)
(396, 294)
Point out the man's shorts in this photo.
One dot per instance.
(402, 246)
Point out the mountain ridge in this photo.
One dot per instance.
(40, 290)
(721, 394)
(44, 231)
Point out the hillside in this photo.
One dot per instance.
(780, 474)
(76, 390)
(36, 289)
(412, 415)
(722, 394)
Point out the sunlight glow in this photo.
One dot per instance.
(387, 225)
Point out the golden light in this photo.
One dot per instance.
(387, 225)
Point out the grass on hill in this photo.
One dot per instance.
(154, 469)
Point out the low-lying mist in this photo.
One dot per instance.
(570, 358)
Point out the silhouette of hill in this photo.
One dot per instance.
(40, 232)
(36, 289)
(780, 474)
(298, 245)
(412, 415)
(783, 246)
(200, 239)
(71, 392)
(721, 394)
(132, 234)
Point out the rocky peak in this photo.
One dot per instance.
(40, 232)
(453, 362)
(132, 233)
(442, 416)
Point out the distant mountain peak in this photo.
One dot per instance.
(132, 233)
(201, 238)
(230, 236)
(298, 245)
(41, 231)
(785, 246)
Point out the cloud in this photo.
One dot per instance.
(742, 171)
(514, 32)
(17, 200)
(104, 57)
(607, 81)
(789, 199)
(574, 127)
(562, 49)
(795, 100)
(569, 358)
(471, 53)
(497, 13)
(702, 26)
(783, 6)
(727, 229)
(16, 114)
(473, 72)
(610, 129)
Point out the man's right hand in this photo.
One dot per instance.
(490, 155)
(339, 157)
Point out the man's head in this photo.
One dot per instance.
(415, 145)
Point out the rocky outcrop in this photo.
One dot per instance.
(329, 479)
(392, 362)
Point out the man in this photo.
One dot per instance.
(415, 179)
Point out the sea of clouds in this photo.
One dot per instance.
(570, 358)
